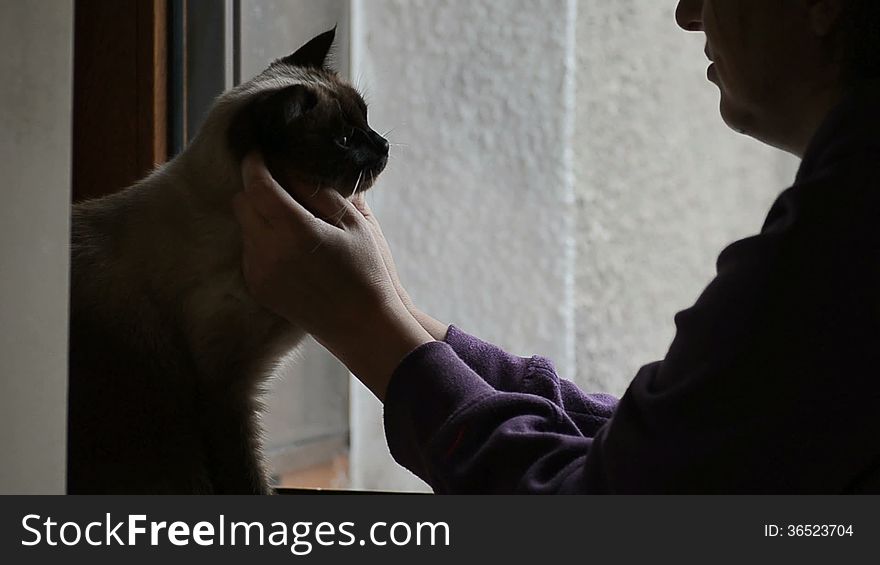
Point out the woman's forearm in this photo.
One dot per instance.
(373, 350)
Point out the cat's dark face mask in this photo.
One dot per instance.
(315, 132)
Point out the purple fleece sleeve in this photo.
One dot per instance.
(531, 375)
(446, 398)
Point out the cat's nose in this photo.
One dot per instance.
(379, 142)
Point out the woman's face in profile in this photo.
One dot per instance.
(761, 50)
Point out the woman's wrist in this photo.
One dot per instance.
(437, 329)
(374, 350)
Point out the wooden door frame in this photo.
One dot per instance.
(120, 108)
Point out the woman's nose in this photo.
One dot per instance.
(689, 15)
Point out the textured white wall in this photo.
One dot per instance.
(36, 39)
(662, 184)
(565, 185)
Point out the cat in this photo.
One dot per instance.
(169, 354)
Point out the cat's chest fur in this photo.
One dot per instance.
(168, 350)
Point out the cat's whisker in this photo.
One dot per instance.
(337, 217)
(357, 183)
(317, 190)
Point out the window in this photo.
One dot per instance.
(560, 184)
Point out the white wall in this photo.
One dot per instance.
(35, 136)
(565, 184)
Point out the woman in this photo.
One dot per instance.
(773, 378)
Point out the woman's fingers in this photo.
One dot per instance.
(360, 203)
(248, 218)
(326, 203)
(305, 202)
(267, 196)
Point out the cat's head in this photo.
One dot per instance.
(309, 123)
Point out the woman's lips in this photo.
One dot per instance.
(711, 73)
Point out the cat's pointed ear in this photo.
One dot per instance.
(314, 53)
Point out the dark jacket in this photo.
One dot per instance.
(771, 385)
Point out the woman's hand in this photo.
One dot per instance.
(435, 328)
(321, 268)
(360, 203)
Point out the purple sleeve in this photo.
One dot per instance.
(445, 398)
(531, 375)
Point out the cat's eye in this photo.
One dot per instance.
(344, 141)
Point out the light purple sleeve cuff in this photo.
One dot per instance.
(440, 381)
(501, 370)
(531, 375)
(429, 386)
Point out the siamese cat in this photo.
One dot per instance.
(168, 352)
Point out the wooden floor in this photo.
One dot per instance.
(330, 475)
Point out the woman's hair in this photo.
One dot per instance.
(860, 40)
